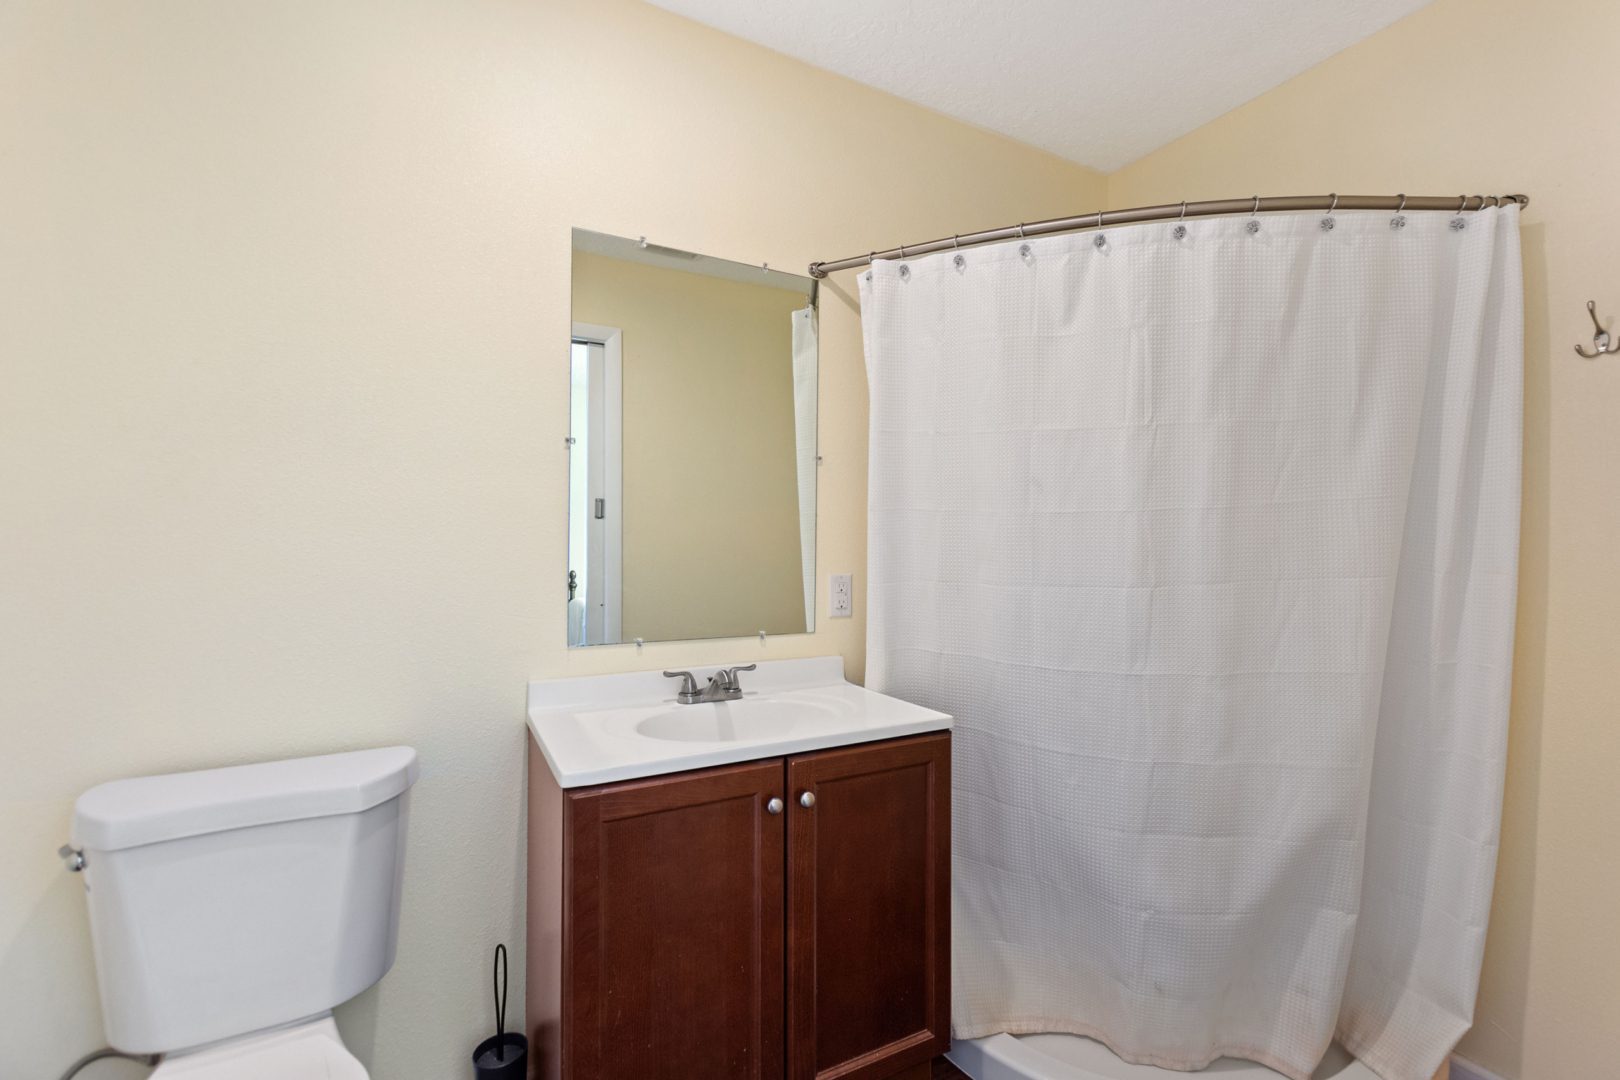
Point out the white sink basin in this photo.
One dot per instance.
(619, 727)
(732, 721)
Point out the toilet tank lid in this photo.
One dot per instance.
(149, 809)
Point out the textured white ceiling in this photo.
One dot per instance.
(1100, 82)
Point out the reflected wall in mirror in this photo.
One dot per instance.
(692, 446)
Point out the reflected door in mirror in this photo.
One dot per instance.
(595, 487)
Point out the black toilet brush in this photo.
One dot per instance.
(504, 1057)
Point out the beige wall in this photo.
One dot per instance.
(1493, 96)
(283, 393)
(711, 480)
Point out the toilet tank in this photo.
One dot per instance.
(227, 901)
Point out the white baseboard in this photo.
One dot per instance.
(1463, 1069)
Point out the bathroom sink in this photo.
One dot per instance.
(731, 721)
(600, 728)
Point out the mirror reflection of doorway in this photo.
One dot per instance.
(595, 486)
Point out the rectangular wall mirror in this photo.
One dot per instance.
(692, 446)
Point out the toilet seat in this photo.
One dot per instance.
(312, 1050)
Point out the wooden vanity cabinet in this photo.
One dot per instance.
(680, 929)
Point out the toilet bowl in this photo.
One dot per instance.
(231, 909)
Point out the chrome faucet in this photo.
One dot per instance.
(723, 685)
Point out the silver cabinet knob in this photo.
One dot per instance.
(807, 799)
(774, 806)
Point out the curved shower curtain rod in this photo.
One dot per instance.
(1254, 204)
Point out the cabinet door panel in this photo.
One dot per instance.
(675, 922)
(869, 909)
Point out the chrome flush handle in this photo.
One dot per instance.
(72, 856)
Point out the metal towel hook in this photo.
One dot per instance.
(1602, 343)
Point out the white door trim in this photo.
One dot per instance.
(611, 338)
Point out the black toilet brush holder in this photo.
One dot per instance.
(505, 1056)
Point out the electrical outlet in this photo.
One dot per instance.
(840, 596)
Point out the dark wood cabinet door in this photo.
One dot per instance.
(673, 964)
(869, 932)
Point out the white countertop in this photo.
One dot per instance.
(592, 729)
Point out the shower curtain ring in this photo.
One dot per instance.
(1399, 220)
(1183, 216)
(1256, 209)
(1457, 223)
(1020, 230)
(1333, 204)
(956, 242)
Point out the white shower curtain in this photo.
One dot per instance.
(804, 442)
(1209, 544)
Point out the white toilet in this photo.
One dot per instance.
(231, 909)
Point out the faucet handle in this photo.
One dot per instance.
(731, 676)
(689, 688)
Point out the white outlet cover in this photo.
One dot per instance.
(840, 596)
